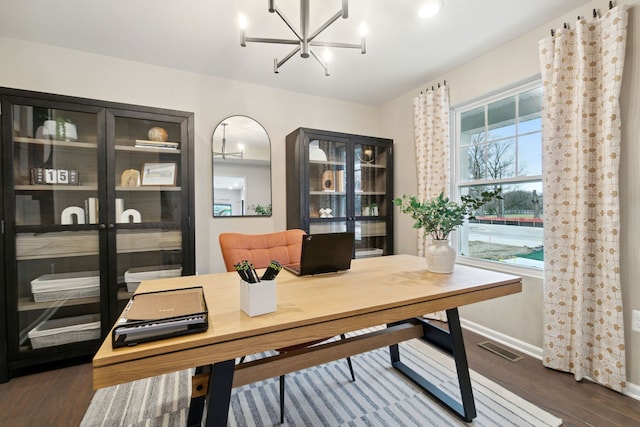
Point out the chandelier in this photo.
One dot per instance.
(224, 154)
(304, 39)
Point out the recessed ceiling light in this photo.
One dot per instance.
(430, 8)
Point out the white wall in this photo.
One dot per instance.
(39, 67)
(520, 316)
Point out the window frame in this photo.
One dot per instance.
(455, 180)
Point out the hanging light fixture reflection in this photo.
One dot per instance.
(304, 39)
(223, 153)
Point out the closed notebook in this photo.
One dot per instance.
(164, 305)
(152, 316)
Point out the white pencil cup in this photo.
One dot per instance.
(258, 298)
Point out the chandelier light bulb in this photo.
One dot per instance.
(430, 8)
(240, 146)
(364, 30)
(326, 55)
(242, 21)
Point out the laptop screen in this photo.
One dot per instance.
(325, 253)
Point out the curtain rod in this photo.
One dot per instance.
(434, 88)
(595, 14)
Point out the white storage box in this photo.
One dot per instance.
(63, 286)
(134, 276)
(65, 330)
(258, 298)
(368, 252)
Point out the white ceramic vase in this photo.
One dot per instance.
(70, 131)
(440, 256)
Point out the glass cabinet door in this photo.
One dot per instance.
(371, 204)
(339, 182)
(148, 199)
(328, 186)
(53, 288)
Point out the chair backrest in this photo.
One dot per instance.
(259, 249)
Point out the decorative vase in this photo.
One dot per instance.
(440, 256)
(60, 130)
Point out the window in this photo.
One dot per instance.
(498, 144)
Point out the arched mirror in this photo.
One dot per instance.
(241, 168)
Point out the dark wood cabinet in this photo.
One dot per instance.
(96, 196)
(341, 182)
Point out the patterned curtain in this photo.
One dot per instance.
(582, 74)
(431, 129)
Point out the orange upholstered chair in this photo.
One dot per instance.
(260, 249)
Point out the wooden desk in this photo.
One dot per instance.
(376, 291)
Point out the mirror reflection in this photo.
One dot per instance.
(241, 152)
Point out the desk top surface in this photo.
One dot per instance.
(372, 285)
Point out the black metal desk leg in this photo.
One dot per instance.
(196, 407)
(462, 367)
(452, 343)
(219, 395)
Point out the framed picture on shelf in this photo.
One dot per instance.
(159, 174)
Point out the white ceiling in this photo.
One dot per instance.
(403, 51)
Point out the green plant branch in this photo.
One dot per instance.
(440, 216)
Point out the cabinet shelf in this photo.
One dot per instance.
(28, 304)
(55, 143)
(154, 188)
(327, 193)
(79, 243)
(371, 193)
(371, 166)
(163, 150)
(327, 163)
(54, 187)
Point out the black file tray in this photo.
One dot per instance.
(132, 332)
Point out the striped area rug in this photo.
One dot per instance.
(325, 396)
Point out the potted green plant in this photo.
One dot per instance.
(61, 129)
(438, 217)
(261, 210)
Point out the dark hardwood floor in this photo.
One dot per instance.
(59, 397)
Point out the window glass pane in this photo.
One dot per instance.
(499, 142)
(530, 154)
(508, 230)
(473, 163)
(529, 104)
(501, 159)
(472, 127)
(501, 117)
(530, 125)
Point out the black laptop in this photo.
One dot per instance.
(324, 253)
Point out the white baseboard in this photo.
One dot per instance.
(528, 349)
(631, 390)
